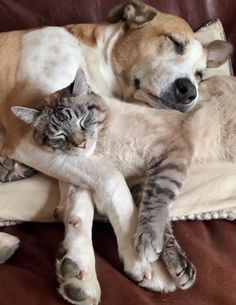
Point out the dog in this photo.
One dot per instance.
(148, 57)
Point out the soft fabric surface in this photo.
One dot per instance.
(214, 30)
(206, 195)
(29, 277)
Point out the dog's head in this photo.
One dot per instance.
(157, 60)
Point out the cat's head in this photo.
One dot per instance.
(67, 122)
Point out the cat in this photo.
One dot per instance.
(159, 158)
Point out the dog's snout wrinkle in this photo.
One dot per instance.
(185, 90)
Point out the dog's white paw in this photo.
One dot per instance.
(135, 266)
(160, 281)
(78, 282)
(8, 245)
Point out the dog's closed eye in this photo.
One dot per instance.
(179, 45)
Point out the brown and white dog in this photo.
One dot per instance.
(149, 57)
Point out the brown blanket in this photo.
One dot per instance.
(29, 278)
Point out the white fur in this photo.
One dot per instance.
(50, 58)
(8, 245)
(78, 219)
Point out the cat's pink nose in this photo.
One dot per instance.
(82, 144)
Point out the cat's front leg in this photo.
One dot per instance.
(163, 182)
(75, 260)
(180, 268)
(173, 269)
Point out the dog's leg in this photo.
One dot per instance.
(108, 185)
(11, 170)
(110, 190)
(123, 216)
(75, 260)
(8, 243)
(8, 246)
(159, 279)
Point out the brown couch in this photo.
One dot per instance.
(28, 277)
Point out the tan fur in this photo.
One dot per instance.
(87, 34)
(149, 42)
(214, 124)
(26, 95)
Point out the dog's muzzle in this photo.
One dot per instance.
(180, 95)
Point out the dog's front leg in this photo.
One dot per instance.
(117, 203)
(75, 257)
(109, 188)
(8, 245)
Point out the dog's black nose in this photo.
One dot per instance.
(185, 91)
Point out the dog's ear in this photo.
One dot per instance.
(27, 115)
(80, 85)
(134, 12)
(218, 51)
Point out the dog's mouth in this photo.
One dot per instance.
(166, 101)
(163, 102)
(167, 104)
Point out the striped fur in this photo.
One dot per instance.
(66, 124)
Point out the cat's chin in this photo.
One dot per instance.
(48, 149)
(79, 151)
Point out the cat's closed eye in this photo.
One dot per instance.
(60, 135)
(81, 124)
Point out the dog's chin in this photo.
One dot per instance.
(143, 97)
(162, 102)
(184, 107)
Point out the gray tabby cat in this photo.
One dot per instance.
(159, 159)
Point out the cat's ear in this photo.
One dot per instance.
(27, 115)
(80, 85)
